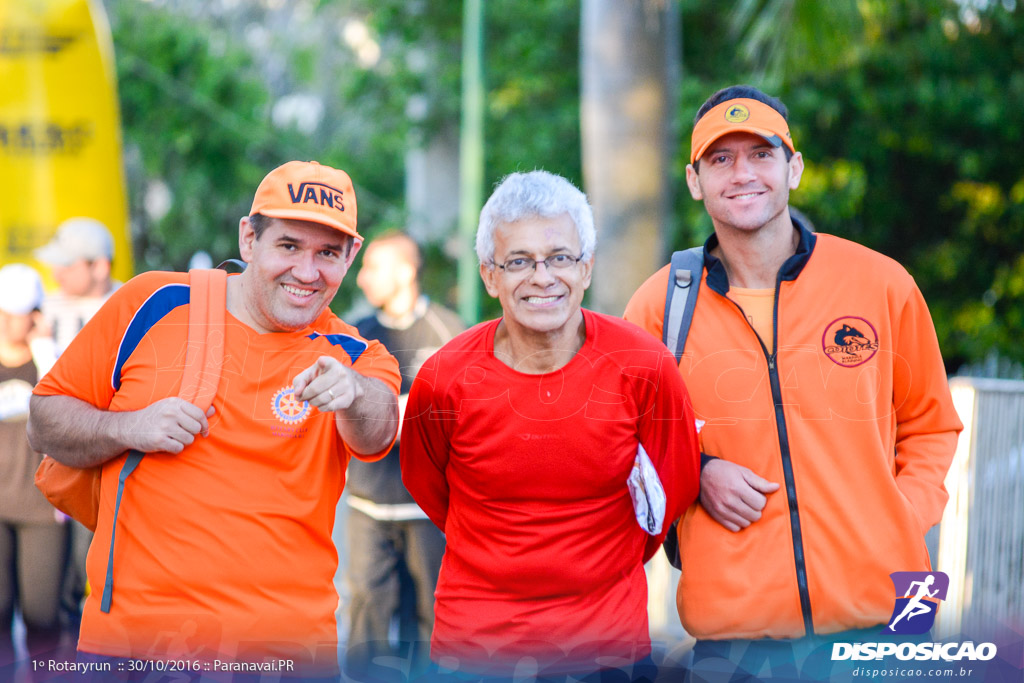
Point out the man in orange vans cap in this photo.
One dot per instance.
(828, 422)
(224, 554)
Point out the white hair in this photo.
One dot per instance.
(531, 195)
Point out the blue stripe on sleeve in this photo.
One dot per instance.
(353, 346)
(159, 304)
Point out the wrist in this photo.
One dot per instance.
(704, 460)
(118, 430)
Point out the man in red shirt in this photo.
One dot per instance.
(224, 555)
(519, 437)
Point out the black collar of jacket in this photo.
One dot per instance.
(719, 281)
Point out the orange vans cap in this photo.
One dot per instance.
(740, 115)
(308, 191)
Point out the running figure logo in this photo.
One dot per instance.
(917, 599)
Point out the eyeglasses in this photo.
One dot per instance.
(554, 262)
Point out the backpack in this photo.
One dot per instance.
(680, 300)
(681, 297)
(76, 492)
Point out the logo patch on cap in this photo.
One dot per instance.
(317, 193)
(737, 113)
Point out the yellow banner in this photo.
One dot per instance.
(60, 136)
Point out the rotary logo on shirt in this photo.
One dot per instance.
(289, 409)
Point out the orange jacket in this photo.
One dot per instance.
(852, 415)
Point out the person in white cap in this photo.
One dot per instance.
(33, 541)
(79, 257)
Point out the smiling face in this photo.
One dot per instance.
(745, 182)
(294, 271)
(540, 300)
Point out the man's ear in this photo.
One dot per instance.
(489, 274)
(588, 271)
(693, 182)
(246, 239)
(353, 249)
(796, 170)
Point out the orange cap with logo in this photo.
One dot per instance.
(739, 115)
(308, 191)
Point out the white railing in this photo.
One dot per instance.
(981, 538)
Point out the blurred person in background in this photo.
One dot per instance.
(79, 257)
(33, 536)
(394, 550)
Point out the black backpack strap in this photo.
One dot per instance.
(684, 278)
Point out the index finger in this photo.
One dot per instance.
(302, 381)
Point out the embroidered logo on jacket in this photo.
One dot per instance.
(287, 408)
(849, 341)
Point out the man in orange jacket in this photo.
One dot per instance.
(829, 425)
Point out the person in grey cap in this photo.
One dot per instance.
(79, 257)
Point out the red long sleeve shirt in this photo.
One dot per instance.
(526, 474)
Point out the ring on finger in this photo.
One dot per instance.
(332, 394)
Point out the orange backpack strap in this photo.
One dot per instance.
(204, 356)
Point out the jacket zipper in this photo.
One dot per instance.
(787, 464)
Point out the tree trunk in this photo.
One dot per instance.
(629, 70)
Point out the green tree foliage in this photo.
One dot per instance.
(532, 80)
(197, 101)
(907, 112)
(195, 121)
(908, 143)
(926, 124)
(197, 104)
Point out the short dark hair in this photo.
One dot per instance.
(260, 223)
(748, 92)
